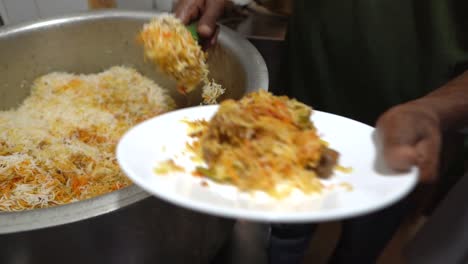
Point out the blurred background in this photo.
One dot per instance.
(262, 22)
(252, 18)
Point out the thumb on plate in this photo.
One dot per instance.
(428, 152)
(400, 157)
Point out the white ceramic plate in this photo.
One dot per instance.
(164, 137)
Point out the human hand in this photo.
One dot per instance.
(208, 12)
(411, 136)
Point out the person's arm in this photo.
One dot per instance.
(411, 133)
(450, 103)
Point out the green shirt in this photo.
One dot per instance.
(357, 58)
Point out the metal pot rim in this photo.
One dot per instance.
(12, 222)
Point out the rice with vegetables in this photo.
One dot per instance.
(58, 145)
(171, 46)
(266, 143)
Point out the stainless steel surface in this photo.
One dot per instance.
(147, 229)
(150, 231)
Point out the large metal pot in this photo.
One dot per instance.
(125, 226)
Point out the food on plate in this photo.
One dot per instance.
(264, 143)
(169, 44)
(58, 145)
(168, 166)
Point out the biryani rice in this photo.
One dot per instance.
(264, 143)
(170, 45)
(58, 146)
